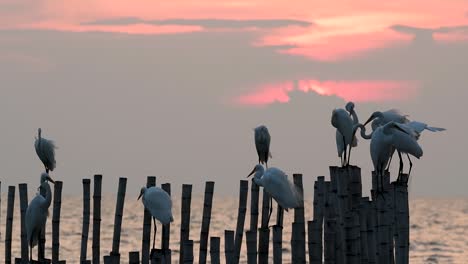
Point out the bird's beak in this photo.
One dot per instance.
(50, 179)
(370, 119)
(250, 174)
(139, 196)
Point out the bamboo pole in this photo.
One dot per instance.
(340, 200)
(402, 222)
(214, 250)
(97, 218)
(86, 212)
(251, 237)
(205, 228)
(9, 223)
(119, 207)
(229, 246)
(372, 232)
(254, 189)
(23, 192)
(185, 212)
(329, 241)
(264, 231)
(314, 229)
(354, 186)
(319, 204)
(56, 221)
(134, 257)
(299, 236)
(243, 192)
(353, 246)
(188, 251)
(147, 222)
(166, 231)
(277, 244)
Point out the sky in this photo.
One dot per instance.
(175, 88)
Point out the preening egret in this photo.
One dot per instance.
(45, 149)
(37, 213)
(159, 204)
(275, 182)
(413, 128)
(344, 125)
(262, 144)
(385, 139)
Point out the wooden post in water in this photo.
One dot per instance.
(166, 231)
(214, 250)
(188, 251)
(298, 226)
(23, 192)
(147, 222)
(243, 192)
(9, 223)
(264, 231)
(402, 221)
(134, 257)
(185, 212)
(251, 237)
(97, 218)
(205, 228)
(229, 246)
(115, 253)
(86, 212)
(56, 222)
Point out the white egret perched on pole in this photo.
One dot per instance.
(344, 125)
(159, 204)
(276, 184)
(262, 144)
(340, 141)
(413, 128)
(45, 150)
(37, 213)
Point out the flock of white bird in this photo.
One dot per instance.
(391, 131)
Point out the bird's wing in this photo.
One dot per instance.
(406, 143)
(262, 143)
(281, 189)
(159, 203)
(420, 126)
(48, 150)
(339, 143)
(395, 115)
(35, 219)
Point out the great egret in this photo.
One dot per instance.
(340, 142)
(275, 182)
(159, 204)
(385, 139)
(262, 144)
(413, 128)
(45, 149)
(37, 213)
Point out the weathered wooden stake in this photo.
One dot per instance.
(319, 207)
(9, 223)
(330, 241)
(147, 222)
(134, 257)
(185, 212)
(264, 231)
(229, 246)
(96, 248)
(363, 211)
(402, 222)
(254, 190)
(243, 192)
(251, 237)
(214, 250)
(86, 212)
(23, 192)
(372, 232)
(56, 221)
(115, 254)
(314, 230)
(205, 228)
(166, 231)
(277, 244)
(188, 251)
(298, 251)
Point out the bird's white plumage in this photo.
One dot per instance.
(45, 150)
(340, 144)
(275, 182)
(262, 143)
(158, 203)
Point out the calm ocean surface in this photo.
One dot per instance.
(439, 228)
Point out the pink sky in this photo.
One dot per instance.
(340, 30)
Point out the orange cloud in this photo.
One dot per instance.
(357, 91)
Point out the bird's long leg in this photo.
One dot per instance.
(270, 210)
(154, 235)
(410, 164)
(400, 169)
(389, 162)
(349, 155)
(345, 159)
(341, 157)
(30, 252)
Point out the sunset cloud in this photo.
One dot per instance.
(357, 91)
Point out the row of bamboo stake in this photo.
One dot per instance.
(346, 227)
